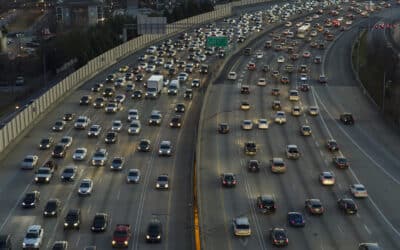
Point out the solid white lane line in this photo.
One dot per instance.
(367, 229)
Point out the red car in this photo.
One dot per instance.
(251, 66)
(304, 87)
(121, 236)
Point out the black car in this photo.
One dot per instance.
(85, 100)
(223, 128)
(347, 119)
(188, 94)
(110, 78)
(253, 166)
(137, 94)
(59, 151)
(73, 219)
(46, 143)
(31, 199)
(68, 116)
(296, 219)
(52, 208)
(154, 231)
(250, 148)
(100, 222)
(180, 108)
(176, 121)
(245, 89)
(144, 145)
(69, 173)
(347, 205)
(99, 103)
(279, 237)
(97, 87)
(171, 71)
(204, 69)
(228, 180)
(60, 245)
(5, 242)
(139, 77)
(109, 92)
(111, 137)
(266, 204)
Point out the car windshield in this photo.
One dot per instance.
(69, 170)
(117, 161)
(280, 235)
(316, 205)
(153, 229)
(79, 151)
(341, 160)
(59, 123)
(45, 141)
(133, 174)
(29, 196)
(120, 234)
(360, 189)
(99, 154)
(31, 235)
(28, 160)
(154, 117)
(99, 221)
(81, 120)
(228, 177)
(71, 216)
(162, 178)
(242, 226)
(165, 146)
(43, 171)
(50, 205)
(85, 184)
(65, 140)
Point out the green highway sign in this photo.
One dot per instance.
(217, 41)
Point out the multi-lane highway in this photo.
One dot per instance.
(370, 146)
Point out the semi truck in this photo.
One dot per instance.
(154, 86)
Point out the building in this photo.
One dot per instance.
(79, 12)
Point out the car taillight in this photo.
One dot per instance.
(275, 241)
(287, 240)
(292, 221)
(224, 182)
(260, 206)
(234, 182)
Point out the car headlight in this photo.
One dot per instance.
(32, 204)
(36, 244)
(47, 178)
(126, 243)
(23, 244)
(158, 236)
(36, 178)
(166, 185)
(171, 124)
(113, 242)
(159, 151)
(147, 236)
(75, 224)
(53, 213)
(158, 185)
(65, 224)
(23, 203)
(179, 124)
(168, 151)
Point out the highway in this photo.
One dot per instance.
(370, 145)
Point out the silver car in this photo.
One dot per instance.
(116, 125)
(86, 187)
(29, 162)
(133, 176)
(79, 154)
(165, 148)
(134, 128)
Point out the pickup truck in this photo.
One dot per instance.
(121, 235)
(44, 173)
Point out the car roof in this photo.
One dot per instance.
(242, 221)
(34, 228)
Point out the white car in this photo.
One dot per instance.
(82, 122)
(313, 110)
(358, 190)
(232, 75)
(120, 98)
(133, 114)
(29, 162)
(116, 125)
(86, 187)
(79, 154)
(262, 82)
(133, 176)
(280, 117)
(94, 130)
(259, 54)
(247, 125)
(241, 226)
(327, 178)
(303, 77)
(134, 128)
(313, 33)
(288, 24)
(263, 124)
(280, 59)
(33, 238)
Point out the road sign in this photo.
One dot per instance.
(217, 41)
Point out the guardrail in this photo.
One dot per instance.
(11, 133)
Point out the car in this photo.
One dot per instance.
(137, 94)
(85, 187)
(144, 145)
(139, 77)
(99, 157)
(250, 148)
(340, 162)
(116, 125)
(133, 114)
(120, 82)
(94, 130)
(285, 80)
(314, 206)
(259, 54)
(306, 54)
(100, 222)
(68, 116)
(69, 173)
(195, 83)
(117, 163)
(253, 166)
(251, 66)
(52, 208)
(134, 127)
(266, 204)
(31, 199)
(317, 59)
(327, 178)
(79, 154)
(332, 145)
(313, 33)
(232, 75)
(165, 148)
(33, 238)
(123, 69)
(82, 122)
(369, 246)
(294, 56)
(29, 162)
(120, 98)
(180, 108)
(162, 182)
(303, 77)
(305, 130)
(183, 77)
(245, 105)
(275, 92)
(278, 165)
(322, 79)
(66, 141)
(73, 219)
(154, 231)
(263, 123)
(85, 100)
(262, 82)
(292, 152)
(188, 94)
(279, 237)
(247, 125)
(347, 119)
(358, 190)
(280, 59)
(280, 117)
(296, 110)
(228, 180)
(276, 105)
(347, 205)
(304, 87)
(241, 226)
(176, 121)
(155, 118)
(111, 137)
(59, 151)
(99, 102)
(112, 107)
(60, 245)
(296, 219)
(133, 176)
(46, 143)
(58, 126)
(313, 110)
(110, 78)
